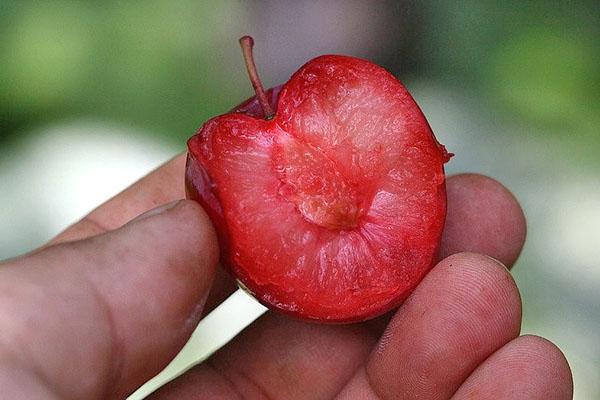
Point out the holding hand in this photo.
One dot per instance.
(110, 302)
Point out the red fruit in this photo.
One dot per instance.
(333, 209)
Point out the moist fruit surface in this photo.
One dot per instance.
(333, 209)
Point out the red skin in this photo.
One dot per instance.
(333, 210)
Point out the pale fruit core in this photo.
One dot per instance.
(315, 184)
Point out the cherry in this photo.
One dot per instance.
(327, 193)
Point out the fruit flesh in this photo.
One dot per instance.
(333, 210)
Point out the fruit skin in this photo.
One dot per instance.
(363, 200)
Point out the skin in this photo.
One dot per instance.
(110, 301)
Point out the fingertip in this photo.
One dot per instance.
(191, 222)
(528, 367)
(491, 280)
(552, 364)
(483, 217)
(484, 283)
(472, 262)
(466, 308)
(181, 229)
(479, 263)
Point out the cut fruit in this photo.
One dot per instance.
(333, 210)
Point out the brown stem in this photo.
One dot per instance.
(246, 42)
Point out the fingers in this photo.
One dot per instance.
(483, 217)
(464, 310)
(98, 317)
(528, 368)
(316, 360)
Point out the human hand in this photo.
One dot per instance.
(107, 306)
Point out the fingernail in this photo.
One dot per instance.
(156, 211)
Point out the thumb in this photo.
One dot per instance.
(98, 317)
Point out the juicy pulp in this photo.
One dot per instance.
(334, 209)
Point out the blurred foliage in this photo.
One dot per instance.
(536, 61)
(548, 78)
(155, 64)
(139, 63)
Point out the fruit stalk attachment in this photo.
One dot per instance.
(247, 43)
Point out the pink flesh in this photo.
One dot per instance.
(334, 209)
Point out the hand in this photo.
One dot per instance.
(110, 302)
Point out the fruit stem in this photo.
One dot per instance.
(246, 42)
